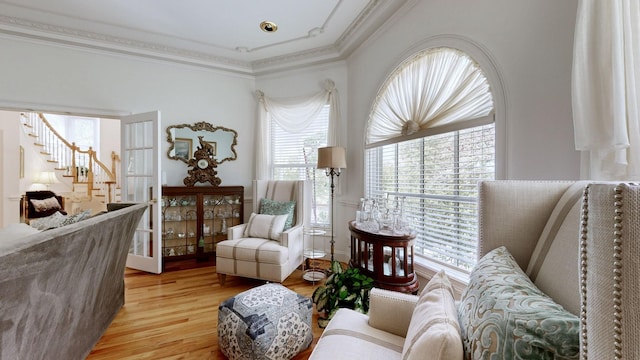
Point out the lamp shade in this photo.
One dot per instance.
(46, 178)
(332, 157)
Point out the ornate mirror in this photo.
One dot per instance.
(184, 140)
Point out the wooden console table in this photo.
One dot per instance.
(387, 259)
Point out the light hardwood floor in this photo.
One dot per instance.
(174, 315)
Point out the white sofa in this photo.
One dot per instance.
(539, 224)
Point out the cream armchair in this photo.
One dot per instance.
(258, 249)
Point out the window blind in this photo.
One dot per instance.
(437, 176)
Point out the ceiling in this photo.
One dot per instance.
(221, 34)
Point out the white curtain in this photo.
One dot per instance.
(438, 86)
(293, 115)
(605, 88)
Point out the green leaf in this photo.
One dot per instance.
(350, 297)
(343, 292)
(330, 279)
(336, 267)
(320, 305)
(319, 291)
(344, 288)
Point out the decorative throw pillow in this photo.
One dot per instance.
(503, 315)
(434, 332)
(265, 226)
(45, 204)
(72, 219)
(272, 207)
(51, 221)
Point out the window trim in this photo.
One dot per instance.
(484, 120)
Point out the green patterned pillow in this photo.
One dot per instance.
(503, 315)
(271, 207)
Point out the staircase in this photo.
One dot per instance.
(89, 177)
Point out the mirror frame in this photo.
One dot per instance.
(201, 126)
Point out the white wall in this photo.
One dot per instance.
(10, 167)
(529, 41)
(109, 140)
(58, 78)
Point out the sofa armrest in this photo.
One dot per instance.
(236, 232)
(391, 311)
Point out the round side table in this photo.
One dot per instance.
(312, 272)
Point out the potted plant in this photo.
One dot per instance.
(342, 289)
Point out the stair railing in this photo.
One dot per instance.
(82, 166)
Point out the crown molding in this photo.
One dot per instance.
(17, 27)
(358, 31)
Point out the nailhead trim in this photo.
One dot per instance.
(617, 271)
(583, 271)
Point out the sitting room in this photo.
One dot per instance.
(321, 179)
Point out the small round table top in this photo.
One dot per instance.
(314, 232)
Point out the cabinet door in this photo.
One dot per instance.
(179, 226)
(195, 219)
(214, 224)
(221, 211)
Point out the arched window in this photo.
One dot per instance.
(430, 139)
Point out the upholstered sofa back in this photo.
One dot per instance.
(61, 288)
(538, 222)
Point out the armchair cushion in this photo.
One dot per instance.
(251, 250)
(271, 207)
(434, 332)
(265, 226)
(502, 312)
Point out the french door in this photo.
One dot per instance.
(140, 136)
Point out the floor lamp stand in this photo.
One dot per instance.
(332, 172)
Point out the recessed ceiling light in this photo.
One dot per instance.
(268, 26)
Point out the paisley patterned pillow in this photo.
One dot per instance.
(271, 207)
(503, 315)
(72, 219)
(49, 222)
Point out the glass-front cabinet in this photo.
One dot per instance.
(196, 218)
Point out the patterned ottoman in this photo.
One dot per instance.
(266, 322)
